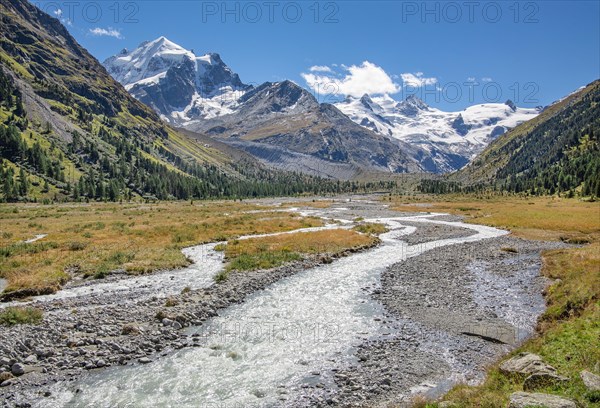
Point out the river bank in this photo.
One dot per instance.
(450, 312)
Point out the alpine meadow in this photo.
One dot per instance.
(299, 204)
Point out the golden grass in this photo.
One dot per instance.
(312, 204)
(92, 239)
(274, 251)
(371, 228)
(540, 218)
(315, 242)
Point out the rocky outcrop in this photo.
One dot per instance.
(526, 364)
(541, 380)
(590, 380)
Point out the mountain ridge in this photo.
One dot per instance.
(446, 141)
(69, 131)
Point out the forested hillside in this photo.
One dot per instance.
(68, 131)
(557, 152)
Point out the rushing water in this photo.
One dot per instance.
(206, 262)
(258, 351)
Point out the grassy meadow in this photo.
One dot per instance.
(91, 240)
(268, 252)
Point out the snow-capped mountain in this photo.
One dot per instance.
(280, 123)
(445, 141)
(202, 94)
(181, 86)
(283, 125)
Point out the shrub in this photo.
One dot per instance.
(20, 315)
(77, 246)
(220, 247)
(221, 276)
(171, 301)
(371, 228)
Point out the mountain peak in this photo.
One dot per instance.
(412, 105)
(367, 102)
(170, 78)
(416, 101)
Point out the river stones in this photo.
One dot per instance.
(526, 364)
(530, 400)
(590, 380)
(541, 380)
(17, 369)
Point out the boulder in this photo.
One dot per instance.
(131, 329)
(17, 369)
(590, 380)
(502, 334)
(540, 380)
(526, 364)
(531, 400)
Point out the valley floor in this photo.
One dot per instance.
(441, 300)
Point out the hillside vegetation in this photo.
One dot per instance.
(68, 131)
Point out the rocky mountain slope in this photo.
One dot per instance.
(284, 125)
(281, 123)
(444, 141)
(69, 131)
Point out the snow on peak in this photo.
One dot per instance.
(184, 86)
(443, 141)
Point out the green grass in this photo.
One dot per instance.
(263, 260)
(20, 315)
(371, 228)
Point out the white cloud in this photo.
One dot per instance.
(486, 79)
(58, 13)
(417, 80)
(471, 79)
(106, 32)
(357, 80)
(320, 68)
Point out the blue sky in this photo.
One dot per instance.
(451, 54)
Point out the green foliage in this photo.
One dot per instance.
(556, 153)
(371, 228)
(262, 260)
(222, 276)
(20, 315)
